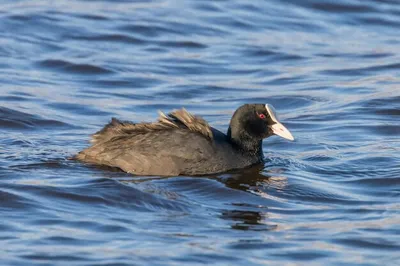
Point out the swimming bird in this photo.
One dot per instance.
(180, 143)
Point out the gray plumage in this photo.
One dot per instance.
(177, 144)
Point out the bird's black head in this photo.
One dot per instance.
(251, 123)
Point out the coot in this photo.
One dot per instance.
(183, 144)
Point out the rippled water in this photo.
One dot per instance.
(331, 69)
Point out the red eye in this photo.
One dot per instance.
(262, 116)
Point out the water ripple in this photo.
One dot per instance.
(330, 68)
(13, 119)
(69, 67)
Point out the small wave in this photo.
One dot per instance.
(109, 38)
(384, 182)
(341, 6)
(98, 195)
(369, 243)
(361, 71)
(264, 55)
(78, 108)
(183, 44)
(13, 119)
(85, 69)
(149, 30)
(13, 201)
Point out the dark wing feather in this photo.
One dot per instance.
(176, 119)
(160, 148)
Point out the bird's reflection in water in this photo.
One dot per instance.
(256, 181)
(248, 220)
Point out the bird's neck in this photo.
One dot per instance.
(245, 143)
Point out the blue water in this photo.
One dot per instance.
(330, 68)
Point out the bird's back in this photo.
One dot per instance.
(179, 143)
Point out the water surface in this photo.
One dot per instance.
(330, 68)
